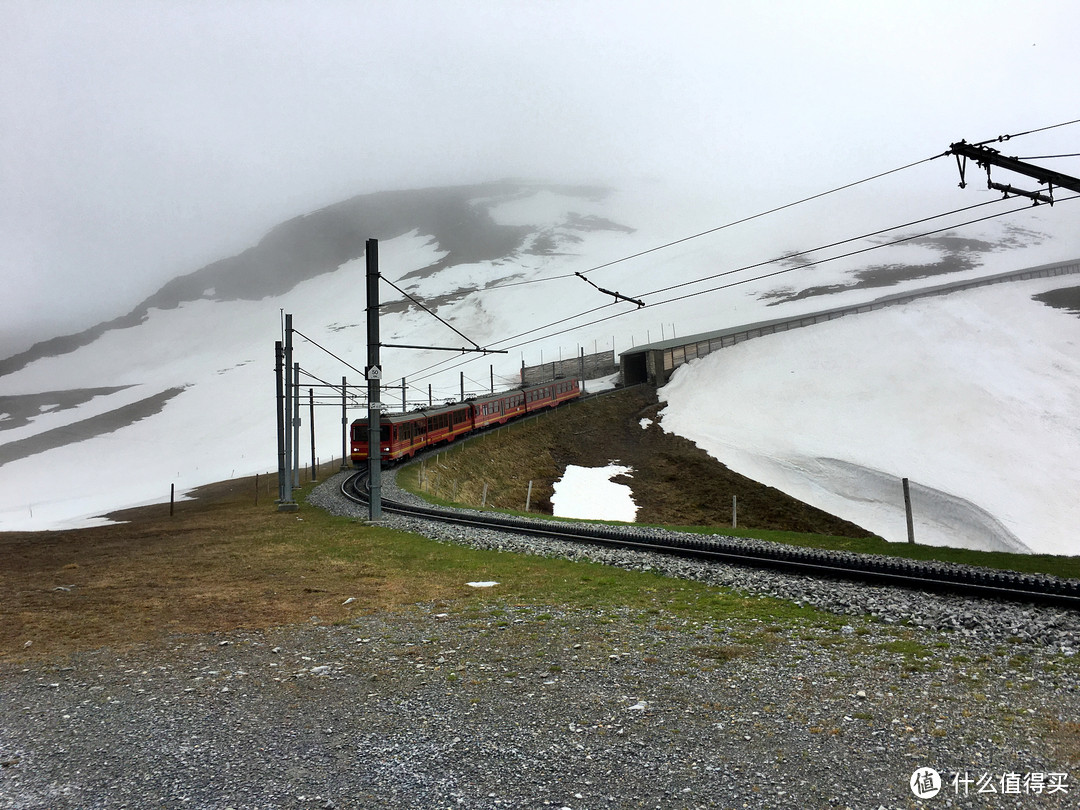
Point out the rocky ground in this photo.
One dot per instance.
(508, 705)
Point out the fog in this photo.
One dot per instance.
(142, 140)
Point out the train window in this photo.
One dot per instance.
(384, 433)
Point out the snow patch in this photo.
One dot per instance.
(974, 397)
(589, 493)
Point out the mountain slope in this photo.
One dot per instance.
(180, 391)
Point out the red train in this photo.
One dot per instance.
(403, 435)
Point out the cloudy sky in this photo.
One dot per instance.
(143, 139)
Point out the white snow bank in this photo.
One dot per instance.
(975, 397)
(589, 493)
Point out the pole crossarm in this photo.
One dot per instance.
(986, 157)
(443, 348)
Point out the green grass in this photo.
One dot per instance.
(421, 569)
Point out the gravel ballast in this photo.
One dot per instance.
(497, 705)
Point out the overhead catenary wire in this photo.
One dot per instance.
(340, 360)
(899, 241)
(441, 366)
(1003, 138)
(781, 272)
(430, 370)
(432, 314)
(762, 214)
(820, 247)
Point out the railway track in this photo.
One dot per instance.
(916, 575)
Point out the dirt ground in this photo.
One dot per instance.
(220, 562)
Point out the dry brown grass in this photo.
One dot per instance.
(221, 562)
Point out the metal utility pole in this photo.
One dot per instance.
(374, 376)
(296, 425)
(344, 427)
(287, 503)
(985, 157)
(279, 351)
(311, 406)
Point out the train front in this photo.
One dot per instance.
(359, 442)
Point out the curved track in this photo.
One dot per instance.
(913, 574)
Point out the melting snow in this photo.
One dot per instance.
(589, 493)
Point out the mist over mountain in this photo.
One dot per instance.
(180, 389)
(304, 247)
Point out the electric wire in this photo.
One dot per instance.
(434, 368)
(899, 241)
(762, 214)
(423, 372)
(429, 312)
(317, 346)
(1003, 138)
(732, 224)
(819, 248)
(784, 270)
(436, 365)
(1048, 157)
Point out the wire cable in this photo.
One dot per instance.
(786, 270)
(1003, 138)
(1048, 157)
(317, 346)
(899, 241)
(820, 247)
(762, 214)
(429, 312)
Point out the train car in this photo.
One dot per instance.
(403, 435)
(498, 409)
(551, 394)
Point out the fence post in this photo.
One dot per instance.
(528, 496)
(907, 510)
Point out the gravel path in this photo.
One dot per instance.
(534, 706)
